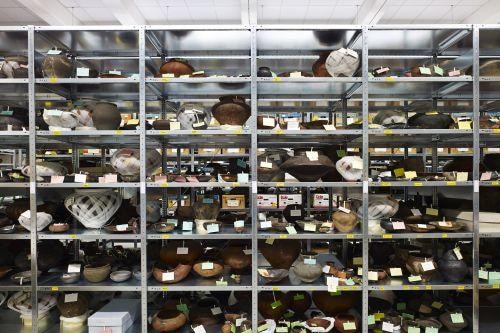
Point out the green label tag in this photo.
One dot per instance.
(241, 163)
(401, 306)
(262, 327)
(298, 297)
(371, 319)
(6, 113)
(233, 328)
(340, 153)
(208, 200)
(336, 293)
(407, 316)
(288, 314)
(182, 307)
(438, 70)
(431, 330)
(457, 318)
(276, 304)
(282, 329)
(412, 329)
(349, 282)
(425, 70)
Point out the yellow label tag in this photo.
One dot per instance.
(350, 236)
(238, 131)
(389, 78)
(165, 236)
(460, 287)
(164, 184)
(276, 288)
(432, 211)
(54, 288)
(444, 235)
(410, 174)
(418, 184)
(387, 131)
(416, 288)
(496, 130)
(57, 132)
(283, 236)
(385, 183)
(236, 184)
(164, 288)
(495, 182)
(386, 236)
(72, 236)
(165, 79)
(466, 125)
(118, 132)
(194, 132)
(277, 79)
(280, 184)
(53, 80)
(451, 183)
(495, 286)
(381, 288)
(406, 287)
(428, 287)
(400, 172)
(431, 113)
(163, 131)
(85, 185)
(279, 131)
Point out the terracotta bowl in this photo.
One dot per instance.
(282, 253)
(217, 269)
(451, 225)
(168, 320)
(332, 305)
(234, 257)
(168, 253)
(342, 318)
(299, 301)
(96, 274)
(161, 124)
(162, 227)
(176, 66)
(58, 227)
(180, 271)
(265, 301)
(318, 322)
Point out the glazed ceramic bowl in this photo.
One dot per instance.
(120, 276)
(69, 278)
(96, 274)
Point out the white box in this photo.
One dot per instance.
(267, 201)
(290, 199)
(320, 200)
(118, 316)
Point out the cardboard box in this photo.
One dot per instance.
(289, 199)
(267, 201)
(321, 200)
(118, 316)
(209, 151)
(233, 201)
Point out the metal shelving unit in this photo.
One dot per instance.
(255, 42)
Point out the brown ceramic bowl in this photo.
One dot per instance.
(168, 253)
(299, 301)
(96, 274)
(282, 253)
(4, 270)
(217, 269)
(177, 67)
(161, 124)
(318, 322)
(452, 225)
(168, 320)
(332, 305)
(234, 257)
(229, 177)
(58, 227)
(163, 227)
(417, 228)
(180, 271)
(72, 309)
(265, 304)
(342, 318)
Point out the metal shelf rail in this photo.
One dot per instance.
(258, 89)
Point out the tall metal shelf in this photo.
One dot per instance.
(254, 45)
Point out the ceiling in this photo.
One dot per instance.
(110, 12)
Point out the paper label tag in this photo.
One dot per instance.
(483, 274)
(295, 212)
(349, 326)
(199, 124)
(424, 71)
(414, 278)
(386, 326)
(82, 71)
(291, 230)
(431, 211)
(175, 125)
(74, 268)
(427, 266)
(438, 70)
(398, 225)
(239, 224)
(357, 164)
(168, 276)
(457, 318)
(412, 329)
(267, 121)
(462, 176)
(422, 226)
(329, 127)
(56, 179)
(416, 212)
(70, 298)
(207, 265)
(233, 203)
(310, 227)
(187, 226)
(265, 224)
(372, 276)
(275, 304)
(80, 178)
(211, 228)
(458, 253)
(454, 73)
(215, 311)
(133, 122)
(431, 330)
(266, 165)
(182, 250)
(54, 51)
(371, 320)
(357, 261)
(292, 126)
(110, 178)
(410, 174)
(312, 155)
(396, 271)
(437, 305)
(199, 329)
(345, 210)
(122, 227)
(310, 261)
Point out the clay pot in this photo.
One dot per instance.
(342, 318)
(266, 299)
(193, 116)
(234, 257)
(201, 313)
(161, 124)
(320, 323)
(181, 271)
(217, 269)
(206, 212)
(345, 222)
(452, 269)
(177, 67)
(168, 253)
(96, 274)
(445, 318)
(306, 170)
(319, 68)
(226, 328)
(431, 121)
(184, 213)
(72, 309)
(404, 251)
(57, 65)
(231, 110)
(260, 123)
(299, 301)
(274, 173)
(4, 270)
(305, 271)
(414, 266)
(168, 320)
(294, 213)
(264, 72)
(333, 305)
(282, 253)
(106, 116)
(17, 124)
(58, 227)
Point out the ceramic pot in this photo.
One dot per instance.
(445, 318)
(264, 72)
(282, 253)
(42, 220)
(299, 301)
(57, 65)
(193, 116)
(168, 320)
(294, 213)
(17, 124)
(307, 268)
(177, 67)
(69, 278)
(184, 213)
(266, 307)
(431, 120)
(343, 318)
(345, 222)
(305, 170)
(96, 274)
(93, 207)
(342, 62)
(72, 309)
(234, 257)
(58, 227)
(414, 266)
(180, 271)
(388, 118)
(217, 269)
(402, 252)
(15, 66)
(106, 116)
(67, 119)
(452, 269)
(168, 253)
(319, 68)
(272, 172)
(332, 305)
(161, 124)
(206, 211)
(201, 312)
(260, 122)
(231, 110)
(126, 162)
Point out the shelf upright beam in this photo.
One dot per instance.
(366, 165)
(475, 178)
(142, 145)
(253, 172)
(32, 162)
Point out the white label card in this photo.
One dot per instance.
(199, 329)
(211, 228)
(268, 122)
(187, 226)
(345, 210)
(56, 179)
(357, 164)
(329, 127)
(54, 51)
(291, 230)
(310, 261)
(458, 253)
(422, 226)
(372, 276)
(198, 125)
(416, 212)
(168, 276)
(207, 265)
(310, 227)
(74, 268)
(216, 311)
(266, 165)
(70, 298)
(387, 327)
(428, 266)
(292, 125)
(396, 271)
(233, 203)
(295, 212)
(110, 178)
(80, 178)
(82, 71)
(115, 72)
(182, 250)
(122, 227)
(239, 224)
(175, 125)
(312, 155)
(398, 225)
(265, 224)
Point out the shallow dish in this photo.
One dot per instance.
(417, 228)
(69, 278)
(120, 276)
(451, 225)
(58, 227)
(23, 277)
(270, 275)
